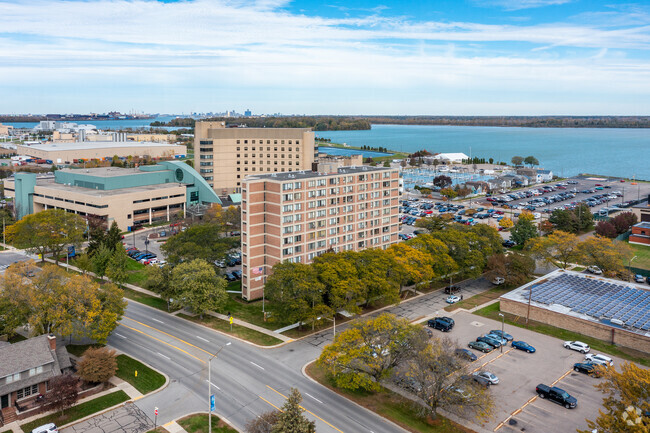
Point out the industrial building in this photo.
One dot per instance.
(129, 196)
(603, 308)
(300, 215)
(225, 156)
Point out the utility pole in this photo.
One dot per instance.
(210, 400)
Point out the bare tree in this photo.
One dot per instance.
(263, 423)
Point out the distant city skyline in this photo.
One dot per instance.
(465, 57)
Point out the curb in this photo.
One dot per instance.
(221, 418)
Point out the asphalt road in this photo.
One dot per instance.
(247, 380)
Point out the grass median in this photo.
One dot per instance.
(147, 379)
(492, 312)
(79, 411)
(390, 405)
(151, 301)
(199, 424)
(237, 330)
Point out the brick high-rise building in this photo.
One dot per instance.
(225, 156)
(300, 215)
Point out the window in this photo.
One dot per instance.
(26, 392)
(13, 378)
(35, 371)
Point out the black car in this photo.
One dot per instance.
(466, 354)
(445, 324)
(452, 289)
(556, 395)
(587, 368)
(508, 243)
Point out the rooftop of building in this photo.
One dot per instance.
(105, 171)
(89, 145)
(51, 184)
(308, 174)
(597, 299)
(642, 225)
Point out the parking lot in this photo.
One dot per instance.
(517, 407)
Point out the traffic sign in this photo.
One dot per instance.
(231, 320)
(155, 411)
(211, 402)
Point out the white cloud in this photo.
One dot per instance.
(514, 5)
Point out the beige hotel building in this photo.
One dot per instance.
(225, 156)
(300, 215)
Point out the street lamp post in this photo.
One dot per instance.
(210, 387)
(629, 267)
(502, 325)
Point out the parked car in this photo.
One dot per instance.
(466, 354)
(577, 345)
(230, 276)
(445, 324)
(639, 278)
(450, 290)
(498, 338)
(522, 345)
(556, 395)
(594, 270)
(498, 281)
(599, 359)
(479, 345)
(490, 377)
(502, 334)
(587, 368)
(47, 428)
(508, 243)
(489, 340)
(452, 299)
(478, 379)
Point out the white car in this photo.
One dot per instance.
(599, 359)
(577, 345)
(594, 270)
(453, 299)
(498, 281)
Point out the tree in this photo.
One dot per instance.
(198, 286)
(410, 265)
(372, 267)
(523, 231)
(606, 229)
(64, 392)
(101, 258)
(113, 238)
(201, 241)
(97, 365)
(434, 223)
(506, 223)
(626, 400)
(291, 418)
(608, 255)
(572, 220)
(341, 283)
(448, 193)
(84, 263)
(366, 352)
(439, 378)
(526, 216)
(443, 264)
(561, 247)
(386, 163)
(263, 423)
(546, 227)
(159, 280)
(442, 181)
(531, 160)
(517, 160)
(116, 270)
(462, 191)
(516, 268)
(49, 231)
(623, 221)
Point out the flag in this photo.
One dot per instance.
(258, 271)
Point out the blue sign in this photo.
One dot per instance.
(212, 402)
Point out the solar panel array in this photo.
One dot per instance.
(596, 298)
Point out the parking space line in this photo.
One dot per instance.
(532, 399)
(492, 360)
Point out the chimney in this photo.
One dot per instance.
(52, 340)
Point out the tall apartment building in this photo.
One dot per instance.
(300, 215)
(225, 156)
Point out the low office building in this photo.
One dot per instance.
(69, 152)
(300, 215)
(128, 196)
(6, 129)
(640, 233)
(25, 371)
(225, 156)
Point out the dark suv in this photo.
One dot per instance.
(445, 324)
(450, 290)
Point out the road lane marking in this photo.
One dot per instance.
(156, 320)
(163, 342)
(120, 335)
(270, 403)
(308, 411)
(309, 395)
(258, 366)
(213, 384)
(164, 356)
(169, 335)
(201, 338)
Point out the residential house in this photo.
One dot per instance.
(26, 368)
(477, 187)
(545, 175)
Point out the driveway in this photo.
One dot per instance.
(126, 419)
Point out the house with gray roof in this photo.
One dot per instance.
(26, 368)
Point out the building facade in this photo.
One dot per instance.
(225, 156)
(640, 233)
(130, 197)
(301, 215)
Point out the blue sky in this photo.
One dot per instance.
(463, 57)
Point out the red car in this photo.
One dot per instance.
(599, 184)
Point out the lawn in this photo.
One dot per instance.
(151, 301)
(80, 411)
(492, 312)
(137, 272)
(393, 406)
(237, 330)
(199, 424)
(642, 254)
(479, 299)
(159, 429)
(147, 380)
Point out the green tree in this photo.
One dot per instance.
(367, 352)
(626, 401)
(116, 269)
(443, 264)
(372, 267)
(410, 265)
(341, 282)
(84, 263)
(113, 239)
(531, 160)
(560, 247)
(516, 268)
(49, 231)
(523, 231)
(448, 193)
(159, 280)
(386, 163)
(198, 286)
(434, 223)
(609, 255)
(517, 160)
(442, 181)
(291, 418)
(200, 241)
(101, 258)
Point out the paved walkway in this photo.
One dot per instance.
(251, 326)
(126, 419)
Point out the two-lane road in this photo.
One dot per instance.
(247, 380)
